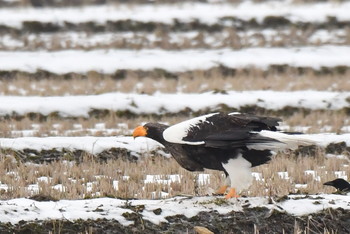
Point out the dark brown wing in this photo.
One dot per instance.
(223, 130)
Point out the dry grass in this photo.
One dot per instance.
(79, 3)
(112, 125)
(95, 179)
(195, 81)
(226, 38)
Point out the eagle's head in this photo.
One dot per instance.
(151, 130)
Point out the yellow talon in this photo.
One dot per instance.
(232, 193)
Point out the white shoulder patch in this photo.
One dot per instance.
(177, 132)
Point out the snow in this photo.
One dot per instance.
(109, 61)
(258, 176)
(203, 179)
(313, 174)
(160, 103)
(26, 209)
(75, 39)
(301, 186)
(161, 179)
(93, 145)
(341, 174)
(247, 10)
(77, 130)
(16, 210)
(283, 175)
(140, 145)
(308, 205)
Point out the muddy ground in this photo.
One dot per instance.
(261, 220)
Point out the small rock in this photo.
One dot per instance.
(202, 230)
(43, 197)
(157, 211)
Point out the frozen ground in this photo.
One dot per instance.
(15, 210)
(109, 61)
(138, 212)
(160, 103)
(191, 39)
(137, 146)
(247, 10)
(93, 145)
(99, 129)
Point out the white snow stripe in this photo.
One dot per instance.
(85, 40)
(161, 103)
(177, 132)
(141, 144)
(110, 61)
(247, 10)
(15, 210)
(93, 145)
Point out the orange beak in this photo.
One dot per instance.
(139, 131)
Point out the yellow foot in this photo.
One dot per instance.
(221, 190)
(232, 193)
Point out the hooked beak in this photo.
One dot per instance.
(139, 131)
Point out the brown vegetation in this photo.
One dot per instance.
(90, 178)
(167, 40)
(112, 125)
(217, 79)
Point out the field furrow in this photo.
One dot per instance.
(110, 61)
(76, 77)
(162, 104)
(271, 13)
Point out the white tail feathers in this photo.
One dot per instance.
(285, 141)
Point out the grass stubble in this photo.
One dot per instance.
(168, 40)
(197, 81)
(114, 125)
(91, 178)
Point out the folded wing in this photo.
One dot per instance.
(220, 130)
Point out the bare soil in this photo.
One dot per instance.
(250, 220)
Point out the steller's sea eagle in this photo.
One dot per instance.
(232, 143)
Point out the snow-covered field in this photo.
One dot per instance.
(95, 145)
(25, 209)
(212, 39)
(192, 39)
(246, 10)
(109, 61)
(161, 103)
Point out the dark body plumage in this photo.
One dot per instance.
(225, 139)
(232, 143)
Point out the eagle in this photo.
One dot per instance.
(228, 142)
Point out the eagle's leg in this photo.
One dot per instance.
(232, 193)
